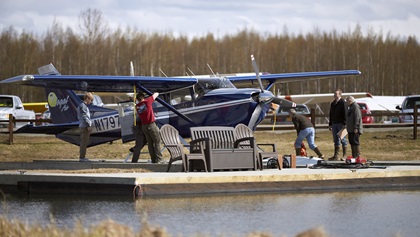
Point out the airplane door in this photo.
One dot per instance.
(126, 119)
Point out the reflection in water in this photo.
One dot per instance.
(376, 213)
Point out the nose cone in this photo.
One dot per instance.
(265, 97)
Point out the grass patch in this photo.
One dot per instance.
(109, 228)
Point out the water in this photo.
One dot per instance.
(342, 214)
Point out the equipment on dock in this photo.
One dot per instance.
(357, 165)
(357, 160)
(300, 161)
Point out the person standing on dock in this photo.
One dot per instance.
(337, 123)
(85, 125)
(354, 125)
(140, 139)
(150, 129)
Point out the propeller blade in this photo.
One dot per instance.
(255, 115)
(131, 69)
(283, 102)
(257, 72)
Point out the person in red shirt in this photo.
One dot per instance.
(150, 129)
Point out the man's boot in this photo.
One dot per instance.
(336, 151)
(344, 153)
(353, 151)
(298, 151)
(318, 153)
(357, 151)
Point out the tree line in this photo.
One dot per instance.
(388, 63)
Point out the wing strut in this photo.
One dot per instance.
(168, 106)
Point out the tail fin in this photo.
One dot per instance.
(62, 103)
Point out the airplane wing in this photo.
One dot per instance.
(289, 77)
(103, 83)
(382, 103)
(321, 98)
(95, 83)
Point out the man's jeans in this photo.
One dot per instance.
(336, 127)
(309, 134)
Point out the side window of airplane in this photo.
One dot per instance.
(180, 96)
(198, 90)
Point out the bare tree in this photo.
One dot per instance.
(94, 30)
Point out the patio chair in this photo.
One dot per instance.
(171, 140)
(241, 131)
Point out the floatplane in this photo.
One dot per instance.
(183, 102)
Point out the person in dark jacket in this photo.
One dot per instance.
(354, 125)
(338, 122)
(304, 129)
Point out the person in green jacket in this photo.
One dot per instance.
(354, 125)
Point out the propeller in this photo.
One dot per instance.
(264, 98)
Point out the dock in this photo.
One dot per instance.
(25, 178)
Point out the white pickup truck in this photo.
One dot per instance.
(11, 104)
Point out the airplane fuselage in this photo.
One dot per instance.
(221, 107)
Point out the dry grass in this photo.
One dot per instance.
(376, 145)
(109, 228)
(26, 148)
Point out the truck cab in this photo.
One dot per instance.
(407, 106)
(11, 104)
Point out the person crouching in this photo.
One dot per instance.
(304, 129)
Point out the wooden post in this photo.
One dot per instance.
(415, 122)
(280, 161)
(313, 117)
(292, 161)
(11, 123)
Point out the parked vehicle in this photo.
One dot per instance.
(282, 116)
(366, 114)
(11, 104)
(407, 106)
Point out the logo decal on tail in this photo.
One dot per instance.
(53, 101)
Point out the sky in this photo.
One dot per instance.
(196, 18)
